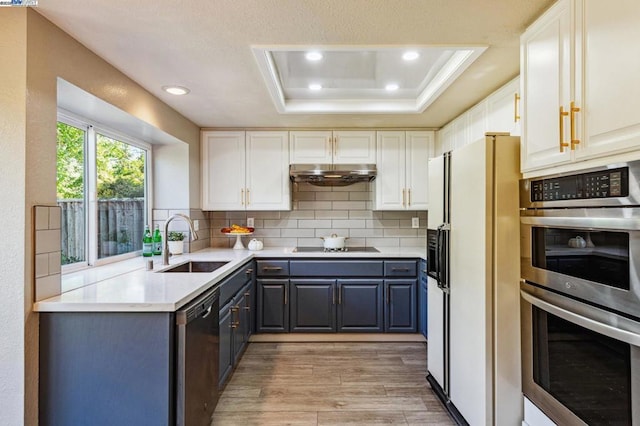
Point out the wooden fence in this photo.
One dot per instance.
(120, 228)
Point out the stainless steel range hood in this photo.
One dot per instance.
(332, 174)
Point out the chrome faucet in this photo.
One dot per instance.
(165, 244)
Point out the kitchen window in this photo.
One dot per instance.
(102, 188)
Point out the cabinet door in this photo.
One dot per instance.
(419, 148)
(502, 109)
(400, 306)
(273, 305)
(226, 345)
(354, 147)
(477, 122)
(545, 50)
(311, 147)
(607, 69)
(239, 326)
(313, 305)
(360, 305)
(248, 311)
(223, 170)
(390, 190)
(267, 174)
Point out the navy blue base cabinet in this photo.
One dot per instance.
(400, 307)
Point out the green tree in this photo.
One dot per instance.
(70, 162)
(120, 169)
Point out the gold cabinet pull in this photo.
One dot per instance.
(403, 197)
(563, 114)
(516, 113)
(247, 301)
(248, 200)
(409, 191)
(242, 197)
(340, 295)
(572, 120)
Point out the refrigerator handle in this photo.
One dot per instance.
(439, 247)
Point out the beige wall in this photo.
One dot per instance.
(15, 291)
(34, 53)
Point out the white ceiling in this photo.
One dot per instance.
(205, 45)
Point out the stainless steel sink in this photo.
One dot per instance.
(196, 266)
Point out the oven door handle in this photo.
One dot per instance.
(598, 320)
(615, 223)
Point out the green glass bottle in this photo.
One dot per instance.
(147, 242)
(157, 241)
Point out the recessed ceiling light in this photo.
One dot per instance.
(315, 86)
(410, 56)
(313, 56)
(176, 90)
(391, 87)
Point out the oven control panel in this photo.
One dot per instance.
(608, 183)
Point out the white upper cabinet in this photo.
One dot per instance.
(245, 170)
(580, 64)
(333, 147)
(545, 74)
(402, 162)
(607, 72)
(503, 110)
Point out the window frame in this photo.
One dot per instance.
(92, 129)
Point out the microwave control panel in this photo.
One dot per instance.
(609, 183)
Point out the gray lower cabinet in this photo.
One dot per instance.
(236, 318)
(360, 305)
(107, 368)
(400, 305)
(272, 313)
(313, 305)
(314, 295)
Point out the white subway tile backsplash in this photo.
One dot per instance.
(322, 211)
(42, 265)
(297, 233)
(332, 196)
(349, 205)
(280, 223)
(322, 223)
(348, 223)
(54, 262)
(41, 218)
(47, 240)
(332, 214)
(314, 205)
(54, 217)
(48, 286)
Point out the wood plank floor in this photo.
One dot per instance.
(327, 383)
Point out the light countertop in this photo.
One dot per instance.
(128, 287)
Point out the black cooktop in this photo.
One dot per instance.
(346, 249)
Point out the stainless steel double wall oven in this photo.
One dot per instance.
(580, 266)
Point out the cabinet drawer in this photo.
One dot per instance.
(273, 268)
(400, 268)
(341, 268)
(231, 285)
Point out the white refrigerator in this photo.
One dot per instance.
(473, 349)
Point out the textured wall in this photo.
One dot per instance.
(321, 211)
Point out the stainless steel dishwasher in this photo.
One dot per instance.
(198, 338)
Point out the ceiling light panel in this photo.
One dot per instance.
(354, 79)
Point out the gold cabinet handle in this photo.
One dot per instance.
(242, 197)
(339, 295)
(403, 197)
(563, 114)
(247, 301)
(516, 113)
(409, 191)
(234, 309)
(248, 200)
(572, 120)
